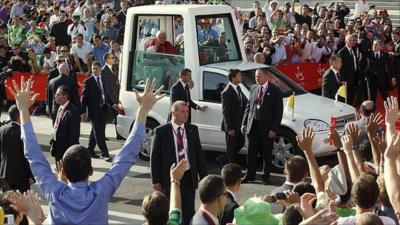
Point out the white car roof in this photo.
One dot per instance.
(181, 9)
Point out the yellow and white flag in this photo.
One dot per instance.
(342, 92)
(290, 104)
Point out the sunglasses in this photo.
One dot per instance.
(64, 50)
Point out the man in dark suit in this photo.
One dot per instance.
(66, 128)
(331, 80)
(180, 92)
(172, 142)
(112, 83)
(261, 122)
(379, 71)
(14, 167)
(232, 174)
(396, 60)
(233, 104)
(63, 79)
(97, 102)
(54, 72)
(349, 67)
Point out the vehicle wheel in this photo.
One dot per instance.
(284, 147)
(145, 147)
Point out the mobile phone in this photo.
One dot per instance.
(280, 196)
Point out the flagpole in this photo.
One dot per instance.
(293, 107)
(345, 88)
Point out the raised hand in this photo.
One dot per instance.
(393, 148)
(23, 94)
(334, 136)
(149, 96)
(306, 201)
(177, 171)
(372, 123)
(306, 141)
(347, 142)
(392, 111)
(354, 132)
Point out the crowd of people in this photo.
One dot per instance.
(66, 38)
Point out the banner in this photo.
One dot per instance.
(39, 84)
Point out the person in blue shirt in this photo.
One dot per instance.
(79, 201)
(99, 49)
(206, 32)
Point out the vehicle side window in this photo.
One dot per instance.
(213, 85)
(156, 54)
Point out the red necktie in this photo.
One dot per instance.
(180, 145)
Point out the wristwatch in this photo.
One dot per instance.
(176, 182)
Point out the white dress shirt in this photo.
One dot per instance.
(185, 145)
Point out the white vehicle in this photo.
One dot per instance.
(210, 56)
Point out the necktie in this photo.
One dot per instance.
(57, 122)
(187, 93)
(239, 92)
(101, 91)
(354, 59)
(337, 77)
(180, 146)
(260, 95)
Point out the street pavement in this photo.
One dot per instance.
(125, 206)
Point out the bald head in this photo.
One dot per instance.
(180, 112)
(367, 108)
(161, 36)
(63, 68)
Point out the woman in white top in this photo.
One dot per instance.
(360, 8)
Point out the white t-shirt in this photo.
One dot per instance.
(54, 19)
(82, 52)
(49, 62)
(360, 8)
(351, 220)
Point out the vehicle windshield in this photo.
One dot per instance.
(284, 84)
(217, 39)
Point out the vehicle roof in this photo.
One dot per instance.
(181, 9)
(240, 65)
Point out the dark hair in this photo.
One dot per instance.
(296, 168)
(13, 113)
(365, 191)
(77, 163)
(304, 187)
(333, 58)
(232, 73)
(210, 188)
(155, 208)
(292, 216)
(66, 90)
(96, 63)
(96, 36)
(79, 35)
(231, 173)
(106, 55)
(185, 72)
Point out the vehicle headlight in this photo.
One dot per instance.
(316, 125)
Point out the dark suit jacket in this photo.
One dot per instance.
(52, 89)
(380, 68)
(178, 94)
(396, 60)
(347, 71)
(68, 131)
(232, 109)
(91, 97)
(163, 154)
(230, 206)
(13, 167)
(330, 84)
(112, 83)
(199, 219)
(52, 74)
(271, 110)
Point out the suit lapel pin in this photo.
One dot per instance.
(267, 93)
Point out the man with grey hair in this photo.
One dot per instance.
(63, 79)
(349, 69)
